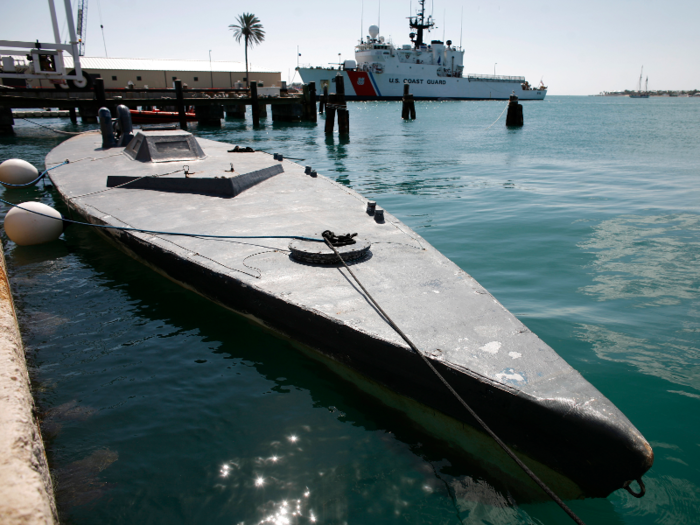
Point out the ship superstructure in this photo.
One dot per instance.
(433, 71)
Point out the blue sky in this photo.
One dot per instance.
(577, 48)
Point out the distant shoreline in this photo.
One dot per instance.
(626, 93)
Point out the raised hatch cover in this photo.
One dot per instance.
(164, 146)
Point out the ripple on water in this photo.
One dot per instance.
(672, 361)
(654, 260)
(670, 500)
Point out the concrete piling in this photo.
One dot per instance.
(88, 114)
(236, 111)
(255, 106)
(287, 112)
(514, 117)
(209, 115)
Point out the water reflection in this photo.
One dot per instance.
(80, 483)
(363, 458)
(672, 361)
(337, 153)
(653, 260)
(648, 267)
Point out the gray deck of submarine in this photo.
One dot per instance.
(447, 314)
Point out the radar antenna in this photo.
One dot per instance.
(419, 23)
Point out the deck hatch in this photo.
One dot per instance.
(164, 146)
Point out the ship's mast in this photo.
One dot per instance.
(419, 23)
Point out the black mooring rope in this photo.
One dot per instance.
(490, 432)
(158, 232)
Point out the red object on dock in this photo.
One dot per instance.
(157, 116)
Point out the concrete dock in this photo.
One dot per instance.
(26, 490)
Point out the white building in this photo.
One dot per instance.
(160, 72)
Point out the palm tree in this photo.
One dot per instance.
(251, 30)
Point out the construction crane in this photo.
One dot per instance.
(82, 25)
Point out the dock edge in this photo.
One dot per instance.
(26, 489)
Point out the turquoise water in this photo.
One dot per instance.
(159, 407)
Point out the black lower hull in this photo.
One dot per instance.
(598, 458)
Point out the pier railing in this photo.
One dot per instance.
(209, 104)
(495, 78)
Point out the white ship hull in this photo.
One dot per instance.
(368, 85)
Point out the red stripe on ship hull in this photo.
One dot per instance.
(361, 83)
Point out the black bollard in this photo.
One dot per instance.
(515, 112)
(330, 118)
(182, 117)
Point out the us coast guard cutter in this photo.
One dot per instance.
(434, 71)
(246, 230)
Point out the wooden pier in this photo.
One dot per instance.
(209, 104)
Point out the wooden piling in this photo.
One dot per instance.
(514, 117)
(6, 121)
(180, 104)
(99, 88)
(312, 117)
(340, 89)
(256, 108)
(330, 118)
(343, 121)
(73, 116)
(324, 100)
(408, 106)
(305, 97)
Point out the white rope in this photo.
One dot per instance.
(499, 116)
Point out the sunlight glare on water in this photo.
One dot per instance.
(160, 407)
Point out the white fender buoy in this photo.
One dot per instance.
(17, 171)
(26, 228)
